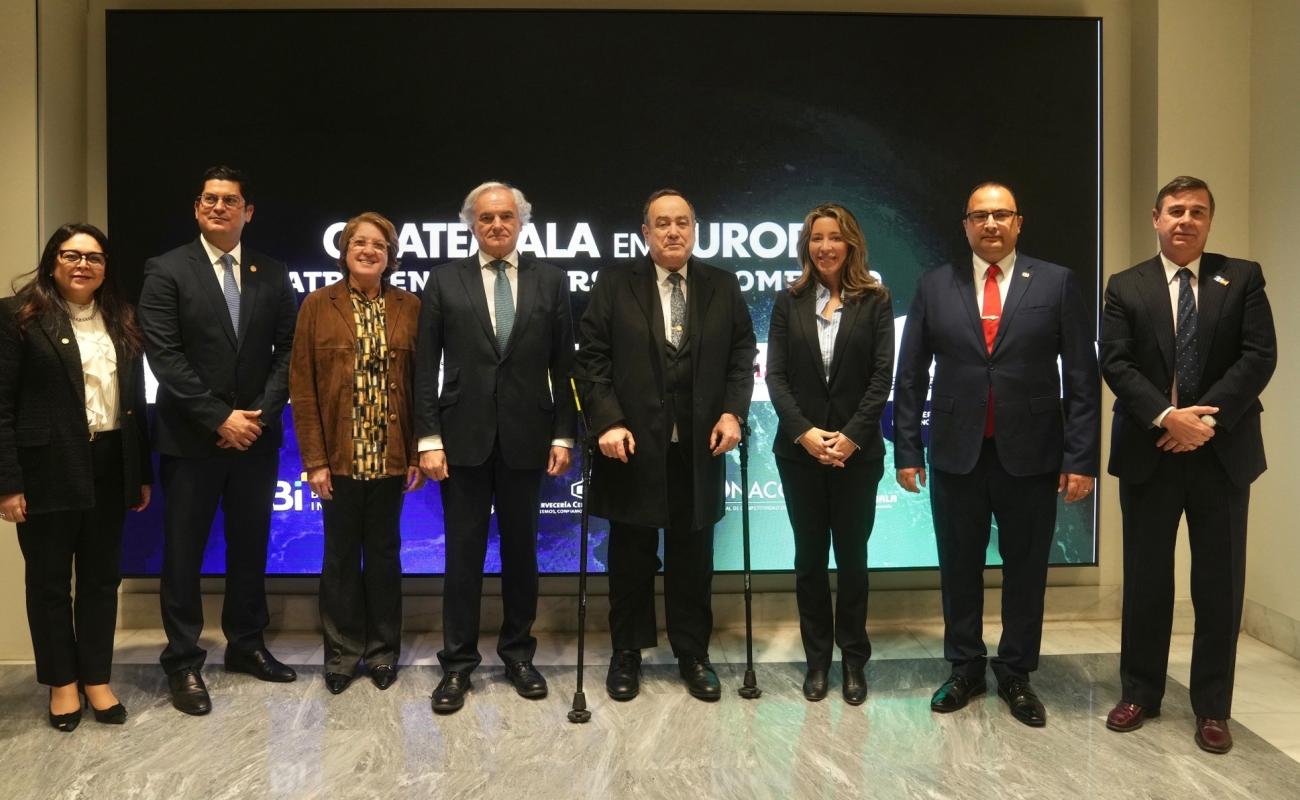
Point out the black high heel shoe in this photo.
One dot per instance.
(66, 723)
(113, 715)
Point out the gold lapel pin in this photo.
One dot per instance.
(65, 340)
(1221, 279)
(1024, 274)
(252, 268)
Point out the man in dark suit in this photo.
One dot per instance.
(1008, 432)
(1187, 345)
(665, 369)
(218, 322)
(501, 326)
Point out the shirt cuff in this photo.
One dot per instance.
(430, 443)
(1159, 421)
(562, 443)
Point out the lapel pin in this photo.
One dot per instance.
(252, 268)
(1024, 274)
(64, 340)
(1221, 279)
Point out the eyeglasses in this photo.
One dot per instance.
(74, 257)
(362, 244)
(211, 200)
(1001, 216)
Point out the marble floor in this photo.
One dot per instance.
(297, 741)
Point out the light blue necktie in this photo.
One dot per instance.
(230, 289)
(505, 305)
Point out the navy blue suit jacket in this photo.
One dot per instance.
(1237, 350)
(1045, 419)
(519, 398)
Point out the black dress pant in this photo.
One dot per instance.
(73, 640)
(361, 573)
(244, 485)
(468, 494)
(1025, 508)
(831, 506)
(688, 573)
(1194, 483)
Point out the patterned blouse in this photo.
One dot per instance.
(369, 388)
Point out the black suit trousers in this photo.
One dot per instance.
(361, 573)
(73, 640)
(963, 507)
(688, 573)
(1194, 483)
(468, 494)
(830, 506)
(243, 485)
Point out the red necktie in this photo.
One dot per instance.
(990, 317)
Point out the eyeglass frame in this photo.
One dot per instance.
(970, 216)
(82, 258)
(231, 201)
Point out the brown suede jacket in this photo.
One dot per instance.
(321, 376)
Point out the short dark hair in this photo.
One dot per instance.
(221, 172)
(1183, 183)
(665, 192)
(985, 185)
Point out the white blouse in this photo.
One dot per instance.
(98, 366)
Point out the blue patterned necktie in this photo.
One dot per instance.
(505, 305)
(230, 289)
(1187, 365)
(676, 310)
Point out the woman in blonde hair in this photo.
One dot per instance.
(350, 381)
(830, 358)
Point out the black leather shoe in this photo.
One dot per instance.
(855, 684)
(260, 664)
(815, 682)
(449, 697)
(527, 680)
(1025, 705)
(66, 722)
(383, 676)
(336, 682)
(956, 692)
(623, 681)
(188, 692)
(701, 680)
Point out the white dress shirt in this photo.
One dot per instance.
(214, 257)
(981, 267)
(98, 367)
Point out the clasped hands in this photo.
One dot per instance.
(617, 441)
(831, 448)
(1184, 429)
(240, 430)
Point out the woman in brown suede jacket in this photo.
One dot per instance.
(350, 385)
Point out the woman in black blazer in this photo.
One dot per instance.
(73, 457)
(830, 360)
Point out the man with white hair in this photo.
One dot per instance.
(499, 324)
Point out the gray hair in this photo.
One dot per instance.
(521, 202)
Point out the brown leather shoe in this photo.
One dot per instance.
(1126, 717)
(1212, 735)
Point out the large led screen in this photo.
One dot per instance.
(755, 117)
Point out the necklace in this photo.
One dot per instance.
(93, 310)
